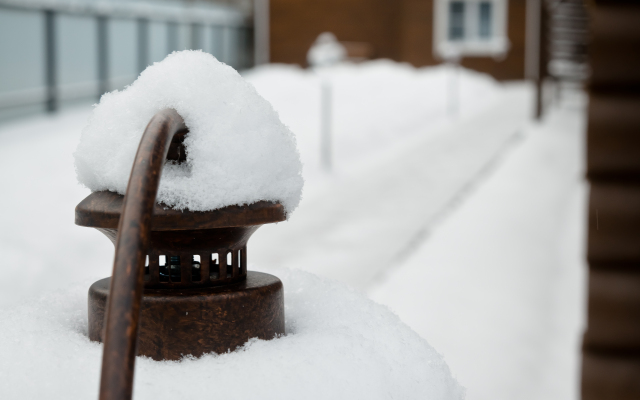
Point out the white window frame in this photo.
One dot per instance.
(472, 45)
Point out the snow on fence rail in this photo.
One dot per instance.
(67, 50)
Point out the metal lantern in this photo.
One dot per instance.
(194, 295)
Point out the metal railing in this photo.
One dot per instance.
(223, 31)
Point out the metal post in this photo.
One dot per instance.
(103, 54)
(249, 47)
(325, 124)
(50, 60)
(216, 41)
(226, 45)
(143, 44)
(542, 59)
(172, 37)
(261, 32)
(534, 50)
(453, 108)
(196, 42)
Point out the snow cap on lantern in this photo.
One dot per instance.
(238, 151)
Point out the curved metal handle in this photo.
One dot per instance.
(127, 281)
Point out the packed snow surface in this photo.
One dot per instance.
(238, 151)
(338, 345)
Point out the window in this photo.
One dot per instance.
(470, 28)
(456, 20)
(485, 20)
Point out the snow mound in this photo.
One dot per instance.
(238, 151)
(339, 345)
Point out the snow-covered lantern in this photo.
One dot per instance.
(180, 283)
(198, 295)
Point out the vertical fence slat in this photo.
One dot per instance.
(196, 42)
(50, 60)
(172, 37)
(103, 55)
(143, 44)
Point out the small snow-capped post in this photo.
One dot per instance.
(194, 295)
(452, 57)
(326, 51)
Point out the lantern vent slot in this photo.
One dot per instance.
(163, 269)
(229, 264)
(193, 269)
(196, 269)
(171, 271)
(214, 269)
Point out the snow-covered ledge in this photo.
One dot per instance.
(338, 345)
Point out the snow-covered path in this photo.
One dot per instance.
(498, 287)
(358, 226)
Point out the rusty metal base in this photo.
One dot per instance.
(179, 322)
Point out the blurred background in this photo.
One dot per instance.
(56, 53)
(443, 144)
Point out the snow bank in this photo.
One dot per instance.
(339, 345)
(238, 151)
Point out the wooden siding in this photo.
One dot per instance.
(401, 30)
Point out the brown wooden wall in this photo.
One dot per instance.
(295, 24)
(611, 358)
(401, 30)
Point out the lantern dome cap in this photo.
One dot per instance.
(102, 210)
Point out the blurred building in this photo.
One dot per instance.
(488, 35)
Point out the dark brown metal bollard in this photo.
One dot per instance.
(188, 306)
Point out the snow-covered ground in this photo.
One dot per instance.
(498, 286)
(469, 228)
(376, 107)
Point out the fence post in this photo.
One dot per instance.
(50, 60)
(143, 44)
(172, 37)
(195, 36)
(325, 123)
(216, 42)
(261, 32)
(103, 55)
(225, 34)
(542, 58)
